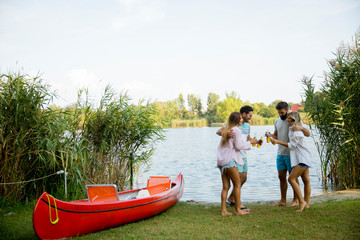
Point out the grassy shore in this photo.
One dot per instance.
(325, 220)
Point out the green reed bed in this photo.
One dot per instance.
(335, 112)
(189, 123)
(259, 120)
(329, 220)
(92, 142)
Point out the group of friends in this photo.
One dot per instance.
(293, 156)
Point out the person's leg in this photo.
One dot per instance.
(243, 177)
(283, 188)
(233, 174)
(226, 185)
(307, 187)
(295, 173)
(294, 202)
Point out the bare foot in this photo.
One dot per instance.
(293, 204)
(280, 204)
(242, 207)
(241, 212)
(226, 213)
(231, 199)
(301, 207)
(307, 205)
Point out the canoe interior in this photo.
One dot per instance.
(123, 196)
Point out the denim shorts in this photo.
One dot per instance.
(230, 164)
(303, 165)
(283, 163)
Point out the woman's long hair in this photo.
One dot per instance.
(296, 117)
(232, 121)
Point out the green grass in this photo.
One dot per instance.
(330, 220)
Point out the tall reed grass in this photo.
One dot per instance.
(93, 144)
(259, 120)
(189, 123)
(335, 112)
(27, 131)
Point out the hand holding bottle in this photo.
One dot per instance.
(260, 142)
(253, 141)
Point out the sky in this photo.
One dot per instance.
(157, 49)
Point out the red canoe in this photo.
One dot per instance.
(105, 208)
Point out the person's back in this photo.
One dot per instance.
(231, 149)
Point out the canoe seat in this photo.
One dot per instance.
(143, 193)
(156, 185)
(102, 192)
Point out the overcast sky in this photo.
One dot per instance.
(157, 49)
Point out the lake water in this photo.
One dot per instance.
(192, 152)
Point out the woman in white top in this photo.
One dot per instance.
(300, 158)
(228, 155)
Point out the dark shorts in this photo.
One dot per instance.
(283, 163)
(303, 165)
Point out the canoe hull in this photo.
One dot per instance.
(81, 217)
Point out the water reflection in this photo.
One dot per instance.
(192, 151)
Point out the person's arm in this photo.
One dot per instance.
(239, 145)
(274, 135)
(220, 131)
(305, 131)
(230, 134)
(274, 141)
(294, 141)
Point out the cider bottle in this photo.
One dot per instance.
(259, 145)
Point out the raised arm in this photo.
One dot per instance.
(301, 128)
(230, 134)
(220, 131)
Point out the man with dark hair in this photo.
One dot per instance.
(281, 133)
(246, 114)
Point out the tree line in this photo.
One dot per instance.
(217, 111)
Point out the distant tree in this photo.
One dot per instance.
(212, 102)
(166, 111)
(180, 101)
(266, 112)
(195, 104)
(231, 104)
(274, 103)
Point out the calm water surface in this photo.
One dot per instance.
(192, 151)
